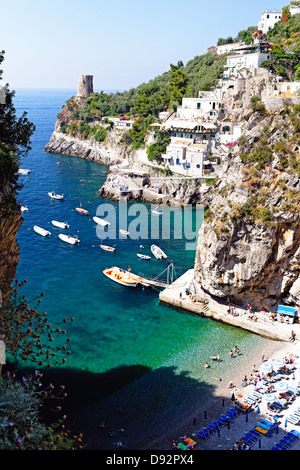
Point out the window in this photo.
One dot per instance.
(188, 165)
(198, 105)
(198, 166)
(178, 161)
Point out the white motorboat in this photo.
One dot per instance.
(68, 239)
(156, 211)
(53, 195)
(41, 231)
(158, 252)
(141, 256)
(107, 248)
(123, 232)
(23, 171)
(60, 224)
(24, 209)
(100, 221)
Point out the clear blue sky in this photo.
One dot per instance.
(49, 43)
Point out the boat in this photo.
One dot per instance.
(139, 255)
(60, 224)
(100, 221)
(107, 248)
(24, 209)
(123, 232)
(156, 211)
(158, 252)
(23, 171)
(53, 195)
(41, 231)
(68, 239)
(82, 211)
(121, 276)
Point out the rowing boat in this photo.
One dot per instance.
(53, 195)
(82, 211)
(121, 277)
(107, 248)
(100, 221)
(41, 231)
(60, 224)
(158, 252)
(141, 256)
(68, 239)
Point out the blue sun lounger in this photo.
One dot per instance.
(295, 432)
(247, 441)
(279, 447)
(203, 435)
(293, 419)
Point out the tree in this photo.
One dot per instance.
(15, 134)
(178, 84)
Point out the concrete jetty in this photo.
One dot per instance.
(181, 294)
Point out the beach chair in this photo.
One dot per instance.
(257, 395)
(251, 436)
(264, 431)
(297, 413)
(279, 447)
(203, 435)
(234, 412)
(293, 436)
(268, 423)
(231, 415)
(250, 400)
(216, 425)
(225, 418)
(212, 427)
(295, 432)
(284, 442)
(247, 441)
(208, 431)
(221, 422)
(293, 419)
(255, 433)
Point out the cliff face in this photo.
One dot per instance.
(108, 154)
(10, 222)
(248, 246)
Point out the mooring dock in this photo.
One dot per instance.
(181, 294)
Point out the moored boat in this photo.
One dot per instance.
(157, 211)
(82, 211)
(24, 209)
(124, 232)
(100, 221)
(53, 195)
(158, 252)
(60, 224)
(121, 277)
(68, 239)
(41, 231)
(23, 171)
(141, 256)
(107, 248)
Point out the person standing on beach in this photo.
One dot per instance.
(231, 353)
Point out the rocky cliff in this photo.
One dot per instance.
(107, 153)
(10, 222)
(248, 246)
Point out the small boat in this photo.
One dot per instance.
(68, 239)
(24, 209)
(82, 211)
(60, 224)
(139, 255)
(156, 211)
(123, 232)
(100, 221)
(41, 231)
(53, 195)
(158, 252)
(107, 248)
(23, 171)
(121, 277)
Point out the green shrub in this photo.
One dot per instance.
(100, 134)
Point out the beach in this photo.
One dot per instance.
(141, 416)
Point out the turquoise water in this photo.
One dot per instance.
(114, 327)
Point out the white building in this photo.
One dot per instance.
(187, 158)
(226, 48)
(206, 106)
(268, 19)
(248, 61)
(294, 9)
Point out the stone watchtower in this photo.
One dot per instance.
(85, 85)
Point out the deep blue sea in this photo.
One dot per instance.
(115, 328)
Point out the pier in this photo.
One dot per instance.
(204, 305)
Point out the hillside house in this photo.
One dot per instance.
(268, 20)
(189, 158)
(207, 106)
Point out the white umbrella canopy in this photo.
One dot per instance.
(266, 366)
(277, 363)
(281, 386)
(270, 397)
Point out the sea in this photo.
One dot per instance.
(124, 342)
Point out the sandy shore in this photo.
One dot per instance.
(211, 410)
(155, 410)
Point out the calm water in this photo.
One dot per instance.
(114, 326)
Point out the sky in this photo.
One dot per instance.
(122, 43)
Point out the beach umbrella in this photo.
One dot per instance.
(277, 363)
(257, 411)
(232, 397)
(266, 367)
(281, 386)
(269, 397)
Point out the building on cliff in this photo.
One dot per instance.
(268, 19)
(85, 86)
